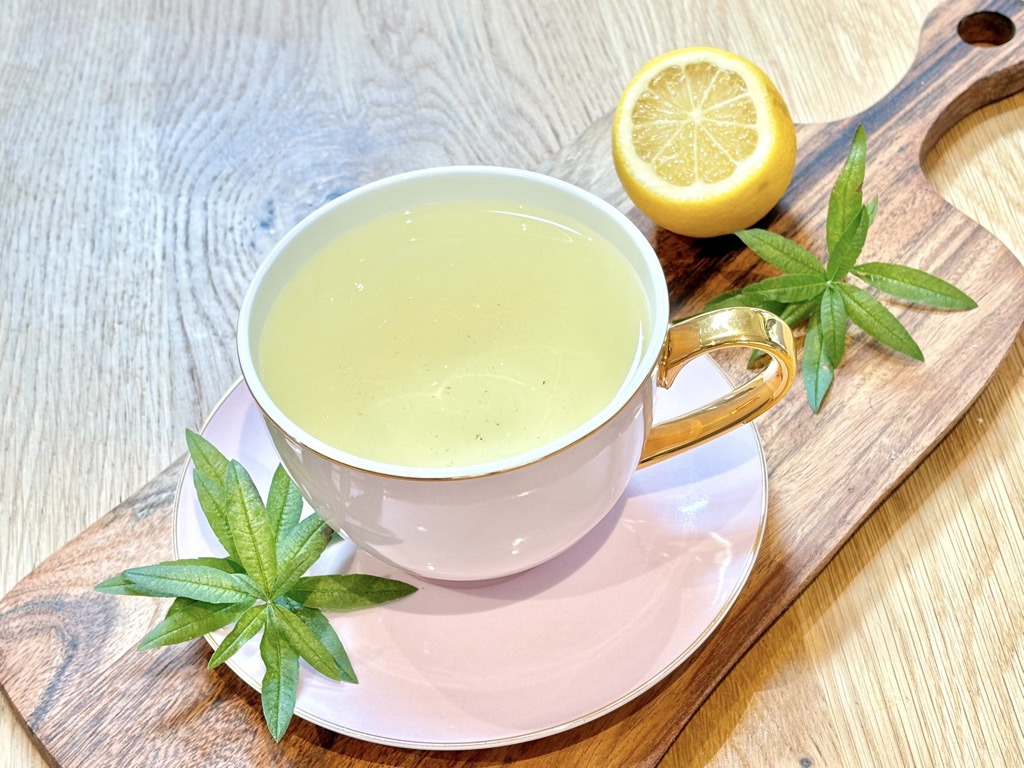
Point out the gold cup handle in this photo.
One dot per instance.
(721, 329)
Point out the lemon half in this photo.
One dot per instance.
(703, 142)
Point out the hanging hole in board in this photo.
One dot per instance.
(986, 29)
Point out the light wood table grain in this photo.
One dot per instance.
(138, 192)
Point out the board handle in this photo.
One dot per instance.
(970, 54)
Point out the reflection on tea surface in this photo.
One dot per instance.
(454, 334)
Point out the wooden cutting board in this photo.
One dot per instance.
(67, 658)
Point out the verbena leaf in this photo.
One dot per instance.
(787, 288)
(246, 627)
(794, 313)
(347, 592)
(280, 681)
(212, 496)
(284, 503)
(220, 563)
(268, 551)
(189, 619)
(198, 582)
(206, 458)
(298, 550)
(250, 528)
(913, 285)
(321, 627)
(869, 314)
(120, 585)
(820, 293)
(304, 641)
(183, 603)
(847, 249)
(833, 325)
(781, 252)
(817, 368)
(846, 199)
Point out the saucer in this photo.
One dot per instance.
(463, 665)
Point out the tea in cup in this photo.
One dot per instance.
(457, 365)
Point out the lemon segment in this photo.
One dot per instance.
(703, 142)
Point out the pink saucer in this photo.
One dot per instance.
(465, 666)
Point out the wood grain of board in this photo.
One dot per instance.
(183, 672)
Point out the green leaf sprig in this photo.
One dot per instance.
(259, 585)
(819, 293)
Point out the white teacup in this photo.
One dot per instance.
(505, 515)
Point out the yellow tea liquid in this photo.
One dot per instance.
(453, 334)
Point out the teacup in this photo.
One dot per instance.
(487, 513)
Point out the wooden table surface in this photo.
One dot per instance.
(151, 153)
